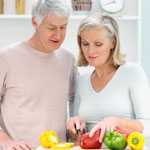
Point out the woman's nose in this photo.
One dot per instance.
(91, 49)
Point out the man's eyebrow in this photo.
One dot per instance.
(50, 24)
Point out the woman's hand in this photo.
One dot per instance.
(75, 124)
(108, 123)
(75, 127)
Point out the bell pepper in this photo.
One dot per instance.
(87, 142)
(125, 132)
(136, 141)
(48, 139)
(63, 146)
(115, 141)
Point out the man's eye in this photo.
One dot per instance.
(51, 29)
(63, 28)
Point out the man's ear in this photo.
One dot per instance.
(35, 22)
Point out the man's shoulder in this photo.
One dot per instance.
(66, 54)
(10, 50)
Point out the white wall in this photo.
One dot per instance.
(146, 36)
(13, 30)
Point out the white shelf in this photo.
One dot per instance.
(128, 18)
(15, 16)
(118, 18)
(72, 17)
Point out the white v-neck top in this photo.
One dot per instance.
(127, 94)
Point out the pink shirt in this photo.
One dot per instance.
(34, 90)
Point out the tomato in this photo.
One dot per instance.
(87, 142)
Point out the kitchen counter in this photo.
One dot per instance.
(74, 148)
(78, 148)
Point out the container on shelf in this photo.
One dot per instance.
(81, 6)
(9, 7)
(1, 6)
(20, 7)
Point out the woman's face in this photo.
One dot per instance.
(96, 45)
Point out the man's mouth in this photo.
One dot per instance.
(54, 41)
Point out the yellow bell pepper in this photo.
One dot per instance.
(135, 141)
(49, 139)
(63, 146)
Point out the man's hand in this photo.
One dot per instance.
(13, 145)
(6, 143)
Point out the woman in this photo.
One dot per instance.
(113, 94)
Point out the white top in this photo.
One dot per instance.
(127, 94)
(34, 90)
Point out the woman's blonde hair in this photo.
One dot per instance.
(111, 26)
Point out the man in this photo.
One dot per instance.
(35, 79)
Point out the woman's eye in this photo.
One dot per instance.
(85, 44)
(98, 44)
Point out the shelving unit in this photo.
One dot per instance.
(72, 17)
(15, 16)
(18, 27)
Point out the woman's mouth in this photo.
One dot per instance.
(93, 57)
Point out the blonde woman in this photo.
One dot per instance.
(113, 94)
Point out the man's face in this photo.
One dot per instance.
(51, 32)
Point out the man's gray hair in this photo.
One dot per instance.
(41, 8)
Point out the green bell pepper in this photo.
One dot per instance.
(115, 141)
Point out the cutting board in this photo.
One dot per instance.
(74, 148)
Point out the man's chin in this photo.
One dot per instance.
(52, 48)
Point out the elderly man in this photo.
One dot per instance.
(36, 78)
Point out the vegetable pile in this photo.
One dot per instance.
(50, 139)
(113, 140)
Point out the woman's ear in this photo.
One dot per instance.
(113, 43)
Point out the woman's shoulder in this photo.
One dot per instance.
(132, 70)
(85, 71)
(84, 74)
(132, 67)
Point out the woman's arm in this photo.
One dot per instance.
(140, 97)
(114, 122)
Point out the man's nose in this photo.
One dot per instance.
(57, 34)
